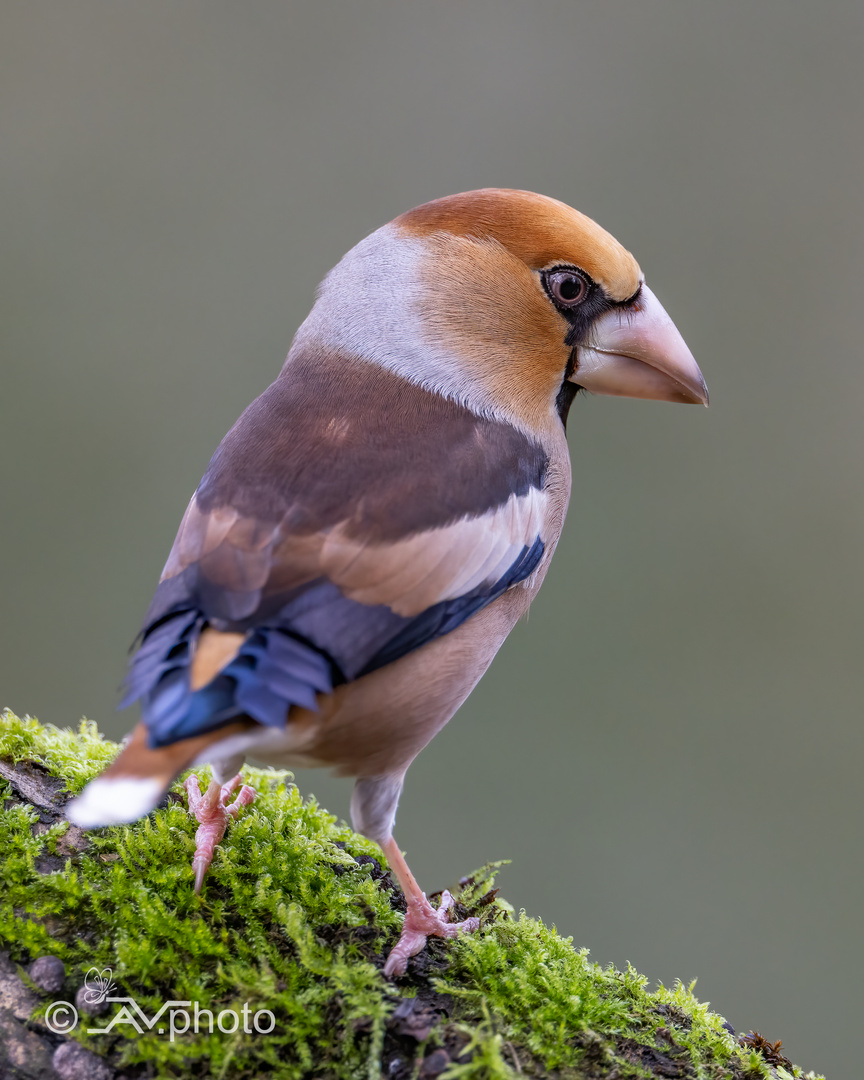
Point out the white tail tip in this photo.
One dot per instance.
(108, 801)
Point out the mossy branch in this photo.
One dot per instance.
(296, 918)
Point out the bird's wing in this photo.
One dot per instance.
(348, 517)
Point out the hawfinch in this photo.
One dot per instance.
(371, 528)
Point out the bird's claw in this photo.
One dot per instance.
(213, 812)
(421, 922)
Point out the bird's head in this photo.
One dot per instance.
(509, 301)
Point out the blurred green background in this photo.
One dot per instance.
(670, 748)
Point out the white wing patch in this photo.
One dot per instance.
(439, 564)
(407, 575)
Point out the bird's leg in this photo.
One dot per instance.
(421, 919)
(213, 812)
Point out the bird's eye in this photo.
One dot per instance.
(568, 287)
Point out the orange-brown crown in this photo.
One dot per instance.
(536, 229)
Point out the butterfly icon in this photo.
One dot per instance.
(97, 985)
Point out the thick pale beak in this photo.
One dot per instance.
(637, 352)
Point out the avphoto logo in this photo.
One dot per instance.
(173, 1017)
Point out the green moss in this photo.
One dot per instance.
(296, 917)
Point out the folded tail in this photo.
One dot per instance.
(138, 778)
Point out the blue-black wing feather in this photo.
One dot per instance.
(306, 639)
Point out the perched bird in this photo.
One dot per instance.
(375, 523)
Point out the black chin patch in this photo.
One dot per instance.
(580, 319)
(564, 400)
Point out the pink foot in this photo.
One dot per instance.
(423, 921)
(213, 813)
